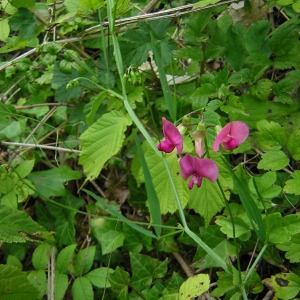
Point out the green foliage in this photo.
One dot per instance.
(101, 141)
(83, 86)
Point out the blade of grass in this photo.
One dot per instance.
(171, 104)
(249, 204)
(153, 201)
(115, 213)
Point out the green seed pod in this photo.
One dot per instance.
(23, 64)
(69, 54)
(48, 59)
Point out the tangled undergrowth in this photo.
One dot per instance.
(149, 150)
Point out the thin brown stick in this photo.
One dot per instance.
(185, 267)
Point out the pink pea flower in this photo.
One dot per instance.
(198, 168)
(231, 136)
(173, 138)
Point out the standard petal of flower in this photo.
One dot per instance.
(172, 134)
(239, 131)
(221, 136)
(207, 168)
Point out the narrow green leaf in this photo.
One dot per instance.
(154, 206)
(249, 204)
(101, 141)
(171, 104)
(82, 289)
(118, 215)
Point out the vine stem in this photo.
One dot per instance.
(118, 57)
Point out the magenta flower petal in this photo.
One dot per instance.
(231, 136)
(173, 138)
(198, 168)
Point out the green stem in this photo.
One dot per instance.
(118, 57)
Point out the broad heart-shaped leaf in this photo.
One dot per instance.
(101, 141)
(206, 200)
(194, 286)
(160, 178)
(273, 160)
(108, 233)
(18, 227)
(14, 284)
(51, 182)
(292, 185)
(82, 289)
(285, 285)
(145, 269)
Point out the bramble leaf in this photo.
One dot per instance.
(15, 285)
(101, 141)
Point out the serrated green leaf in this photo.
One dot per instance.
(273, 160)
(108, 233)
(40, 256)
(206, 200)
(194, 286)
(161, 181)
(51, 182)
(84, 260)
(292, 223)
(18, 227)
(101, 141)
(99, 277)
(82, 289)
(91, 4)
(14, 284)
(225, 285)
(64, 258)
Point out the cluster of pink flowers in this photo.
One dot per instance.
(230, 137)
